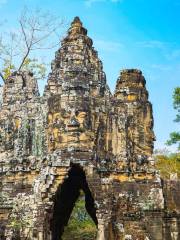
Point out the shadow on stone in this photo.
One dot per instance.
(65, 199)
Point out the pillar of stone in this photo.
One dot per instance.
(132, 98)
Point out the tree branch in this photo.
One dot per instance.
(24, 58)
(1, 75)
(35, 29)
(24, 34)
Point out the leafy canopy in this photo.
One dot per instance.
(175, 136)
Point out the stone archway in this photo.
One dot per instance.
(65, 198)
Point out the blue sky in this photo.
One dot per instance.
(127, 34)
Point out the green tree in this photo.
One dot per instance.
(168, 165)
(175, 136)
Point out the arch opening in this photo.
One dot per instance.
(66, 196)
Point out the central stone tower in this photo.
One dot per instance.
(79, 136)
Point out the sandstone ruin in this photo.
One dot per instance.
(80, 136)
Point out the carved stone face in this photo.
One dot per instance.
(7, 134)
(150, 136)
(69, 129)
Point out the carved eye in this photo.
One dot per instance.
(65, 114)
(82, 115)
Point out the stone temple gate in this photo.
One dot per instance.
(79, 136)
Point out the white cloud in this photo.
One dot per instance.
(109, 46)
(170, 50)
(153, 44)
(162, 67)
(89, 3)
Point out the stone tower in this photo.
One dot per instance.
(79, 136)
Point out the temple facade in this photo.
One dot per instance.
(80, 136)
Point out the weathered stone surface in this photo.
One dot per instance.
(1, 92)
(79, 136)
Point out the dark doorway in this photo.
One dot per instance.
(65, 199)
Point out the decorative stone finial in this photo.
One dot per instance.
(76, 27)
(76, 21)
(131, 75)
(132, 70)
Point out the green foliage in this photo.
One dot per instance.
(175, 136)
(33, 65)
(176, 98)
(8, 68)
(168, 165)
(16, 224)
(35, 31)
(80, 226)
